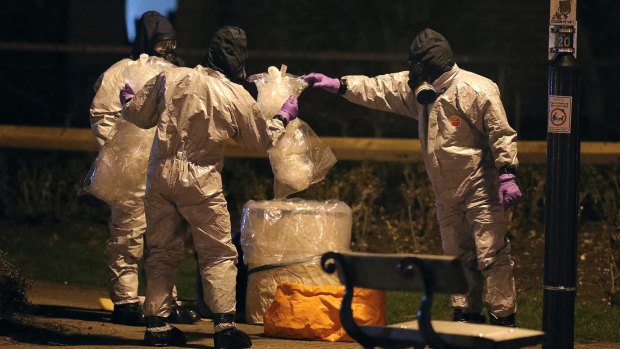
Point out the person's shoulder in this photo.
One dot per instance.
(180, 71)
(160, 63)
(114, 74)
(212, 75)
(217, 78)
(476, 82)
(175, 73)
(119, 66)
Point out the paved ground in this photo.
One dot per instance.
(77, 314)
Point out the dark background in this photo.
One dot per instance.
(505, 40)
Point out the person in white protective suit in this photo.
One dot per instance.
(155, 37)
(470, 154)
(196, 111)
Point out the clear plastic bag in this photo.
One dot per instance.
(118, 174)
(275, 87)
(299, 159)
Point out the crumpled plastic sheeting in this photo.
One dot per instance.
(276, 231)
(262, 285)
(118, 174)
(275, 87)
(299, 159)
(313, 312)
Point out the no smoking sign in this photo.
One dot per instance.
(559, 114)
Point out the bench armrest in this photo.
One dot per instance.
(408, 267)
(332, 262)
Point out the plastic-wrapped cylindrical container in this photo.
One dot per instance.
(282, 240)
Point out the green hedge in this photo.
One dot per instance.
(392, 203)
(391, 199)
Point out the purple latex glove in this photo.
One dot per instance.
(126, 94)
(289, 109)
(509, 192)
(322, 81)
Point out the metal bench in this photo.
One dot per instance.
(428, 274)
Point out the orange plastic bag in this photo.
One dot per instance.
(312, 312)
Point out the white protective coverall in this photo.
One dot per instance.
(127, 225)
(465, 141)
(196, 111)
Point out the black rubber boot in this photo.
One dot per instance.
(128, 314)
(161, 334)
(508, 321)
(182, 314)
(230, 338)
(460, 315)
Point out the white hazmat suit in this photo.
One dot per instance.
(465, 141)
(119, 172)
(196, 111)
(127, 223)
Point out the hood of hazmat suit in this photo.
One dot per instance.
(430, 56)
(227, 53)
(153, 28)
(432, 52)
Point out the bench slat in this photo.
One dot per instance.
(458, 334)
(385, 272)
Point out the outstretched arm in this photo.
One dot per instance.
(388, 92)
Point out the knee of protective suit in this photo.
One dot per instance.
(124, 246)
(498, 259)
(468, 260)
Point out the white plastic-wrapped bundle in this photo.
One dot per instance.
(282, 240)
(299, 159)
(275, 87)
(118, 175)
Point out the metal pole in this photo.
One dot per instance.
(561, 205)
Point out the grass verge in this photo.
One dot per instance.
(71, 253)
(593, 322)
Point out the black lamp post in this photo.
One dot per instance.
(561, 205)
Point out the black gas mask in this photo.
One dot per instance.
(156, 37)
(424, 92)
(166, 50)
(430, 57)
